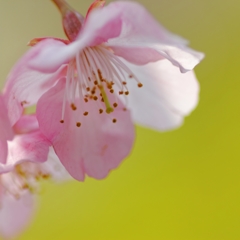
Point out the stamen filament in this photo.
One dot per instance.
(94, 73)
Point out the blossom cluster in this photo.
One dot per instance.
(118, 66)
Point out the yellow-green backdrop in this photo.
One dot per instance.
(177, 185)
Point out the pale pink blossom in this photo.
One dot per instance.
(16, 201)
(6, 132)
(27, 143)
(18, 192)
(119, 64)
(26, 146)
(25, 159)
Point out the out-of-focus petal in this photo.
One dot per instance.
(25, 86)
(6, 132)
(26, 124)
(52, 169)
(3, 151)
(32, 147)
(15, 214)
(96, 147)
(144, 40)
(166, 97)
(138, 24)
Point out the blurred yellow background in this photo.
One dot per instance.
(177, 185)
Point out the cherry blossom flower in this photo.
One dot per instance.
(16, 201)
(18, 192)
(24, 142)
(23, 150)
(117, 65)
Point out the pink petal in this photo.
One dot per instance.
(101, 25)
(32, 147)
(26, 124)
(142, 53)
(25, 86)
(35, 41)
(144, 40)
(130, 31)
(6, 132)
(3, 151)
(96, 4)
(166, 96)
(96, 147)
(15, 214)
(51, 54)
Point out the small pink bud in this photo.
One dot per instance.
(71, 20)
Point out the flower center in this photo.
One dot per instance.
(93, 75)
(24, 177)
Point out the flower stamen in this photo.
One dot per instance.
(97, 72)
(78, 124)
(109, 109)
(74, 108)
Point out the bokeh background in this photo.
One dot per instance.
(178, 185)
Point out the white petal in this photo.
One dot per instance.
(166, 97)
